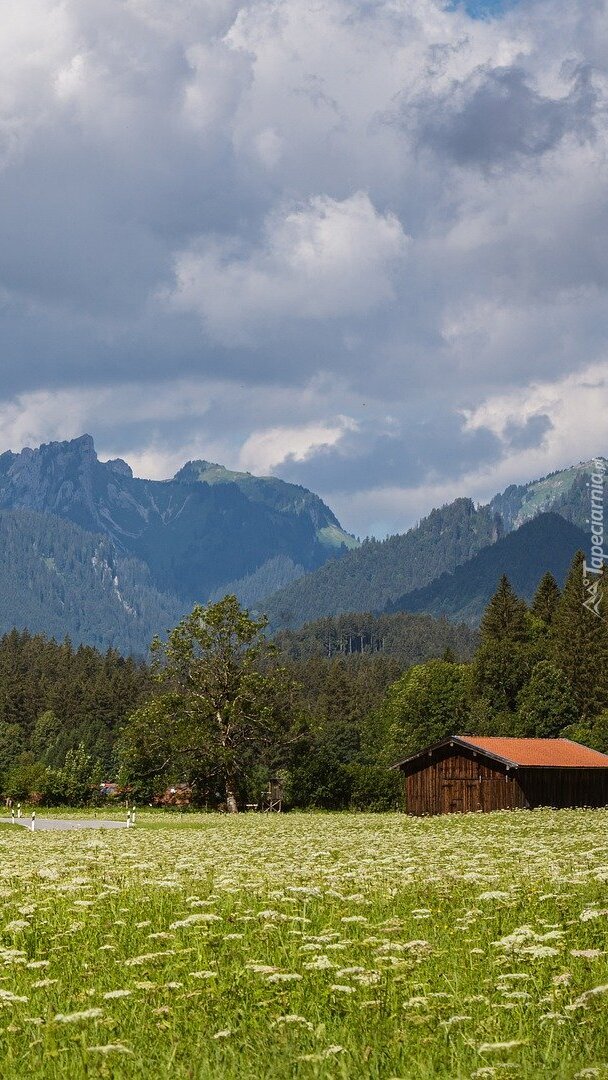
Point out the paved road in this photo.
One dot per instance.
(64, 824)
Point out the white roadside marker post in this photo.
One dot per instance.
(132, 815)
(33, 820)
(18, 809)
(128, 819)
(13, 822)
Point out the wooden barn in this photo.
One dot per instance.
(466, 773)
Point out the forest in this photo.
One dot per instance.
(327, 709)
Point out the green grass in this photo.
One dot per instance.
(333, 946)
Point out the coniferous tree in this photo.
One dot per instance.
(505, 656)
(546, 599)
(578, 642)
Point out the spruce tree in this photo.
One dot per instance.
(578, 642)
(505, 616)
(546, 598)
(505, 656)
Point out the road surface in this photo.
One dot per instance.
(65, 824)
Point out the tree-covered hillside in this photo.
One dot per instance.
(55, 697)
(196, 533)
(547, 542)
(58, 580)
(382, 570)
(565, 492)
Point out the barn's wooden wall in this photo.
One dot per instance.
(564, 787)
(456, 781)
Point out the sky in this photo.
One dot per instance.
(359, 245)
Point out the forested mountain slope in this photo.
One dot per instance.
(547, 542)
(565, 492)
(59, 580)
(203, 529)
(382, 570)
(55, 697)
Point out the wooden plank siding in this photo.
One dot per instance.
(456, 780)
(564, 787)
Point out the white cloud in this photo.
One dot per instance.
(577, 408)
(325, 259)
(263, 451)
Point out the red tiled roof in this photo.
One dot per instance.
(556, 753)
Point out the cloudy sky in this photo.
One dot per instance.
(362, 245)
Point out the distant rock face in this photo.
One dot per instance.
(120, 467)
(206, 527)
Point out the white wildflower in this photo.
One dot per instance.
(320, 963)
(488, 1048)
(540, 951)
(8, 996)
(74, 1018)
(292, 1018)
(145, 958)
(193, 920)
(110, 1048)
(592, 913)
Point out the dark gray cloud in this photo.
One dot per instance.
(528, 434)
(495, 116)
(425, 447)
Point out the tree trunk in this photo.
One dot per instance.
(231, 803)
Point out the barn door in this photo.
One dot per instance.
(459, 796)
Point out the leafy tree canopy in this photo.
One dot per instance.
(222, 703)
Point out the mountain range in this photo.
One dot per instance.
(89, 550)
(546, 542)
(197, 532)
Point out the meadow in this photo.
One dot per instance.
(338, 946)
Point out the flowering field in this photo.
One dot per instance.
(333, 946)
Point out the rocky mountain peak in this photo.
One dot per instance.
(120, 467)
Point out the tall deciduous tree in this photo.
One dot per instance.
(546, 703)
(222, 703)
(427, 703)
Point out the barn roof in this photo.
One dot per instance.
(531, 753)
(554, 753)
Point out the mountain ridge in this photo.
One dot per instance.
(210, 530)
(375, 576)
(545, 542)
(193, 535)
